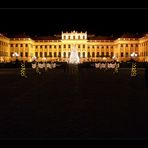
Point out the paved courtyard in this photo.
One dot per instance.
(89, 104)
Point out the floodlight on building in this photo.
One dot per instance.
(15, 54)
(34, 58)
(134, 54)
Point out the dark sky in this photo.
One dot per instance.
(53, 21)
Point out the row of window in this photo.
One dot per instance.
(56, 46)
(74, 37)
(69, 46)
(126, 45)
(16, 45)
(55, 54)
(3, 43)
(37, 54)
(2, 53)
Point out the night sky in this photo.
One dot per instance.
(99, 21)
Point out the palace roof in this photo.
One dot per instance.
(46, 38)
(101, 38)
(127, 35)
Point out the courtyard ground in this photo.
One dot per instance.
(89, 104)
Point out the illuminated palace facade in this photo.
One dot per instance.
(58, 47)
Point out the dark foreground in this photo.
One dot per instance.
(91, 104)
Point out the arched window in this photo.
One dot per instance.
(83, 54)
(97, 54)
(79, 54)
(107, 54)
(64, 55)
(59, 54)
(68, 54)
(55, 54)
(88, 54)
(93, 54)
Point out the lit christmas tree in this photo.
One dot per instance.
(134, 70)
(23, 70)
(74, 58)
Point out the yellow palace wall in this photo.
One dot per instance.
(89, 50)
